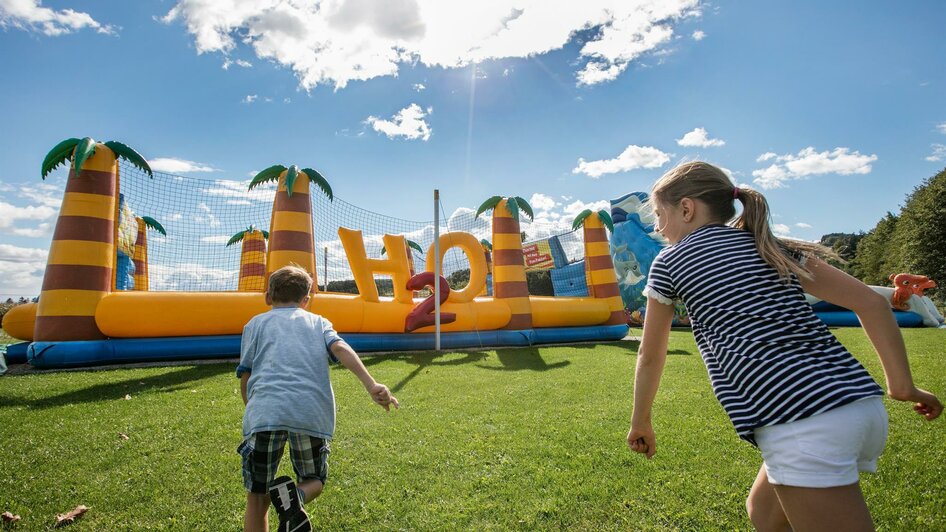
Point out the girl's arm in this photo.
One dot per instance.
(650, 365)
(873, 311)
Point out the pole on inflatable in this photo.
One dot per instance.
(437, 269)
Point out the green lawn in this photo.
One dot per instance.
(509, 439)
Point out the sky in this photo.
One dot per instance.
(835, 111)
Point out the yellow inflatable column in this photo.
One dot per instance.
(599, 269)
(290, 231)
(363, 268)
(141, 256)
(253, 262)
(81, 264)
(509, 272)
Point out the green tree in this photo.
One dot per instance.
(920, 234)
(873, 254)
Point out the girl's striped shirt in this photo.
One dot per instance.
(770, 359)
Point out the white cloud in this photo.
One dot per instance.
(810, 162)
(699, 138)
(21, 271)
(39, 218)
(781, 230)
(803, 225)
(541, 202)
(632, 158)
(238, 191)
(408, 123)
(939, 153)
(941, 128)
(227, 63)
(698, 35)
(30, 15)
(766, 156)
(46, 194)
(208, 217)
(338, 41)
(216, 239)
(250, 98)
(419, 87)
(171, 165)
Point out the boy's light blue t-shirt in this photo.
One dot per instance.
(286, 351)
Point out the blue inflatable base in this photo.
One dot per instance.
(16, 353)
(129, 350)
(847, 318)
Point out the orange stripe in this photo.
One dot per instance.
(58, 328)
(254, 244)
(606, 290)
(247, 270)
(596, 235)
(505, 225)
(75, 277)
(508, 257)
(505, 289)
(290, 241)
(297, 203)
(599, 262)
(92, 182)
(84, 228)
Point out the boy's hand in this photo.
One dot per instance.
(382, 396)
(642, 440)
(924, 403)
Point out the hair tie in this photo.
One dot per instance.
(735, 193)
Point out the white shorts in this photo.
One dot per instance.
(828, 449)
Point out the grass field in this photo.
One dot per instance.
(529, 439)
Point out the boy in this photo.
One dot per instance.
(284, 380)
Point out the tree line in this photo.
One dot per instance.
(911, 241)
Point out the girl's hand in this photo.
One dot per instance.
(925, 403)
(642, 440)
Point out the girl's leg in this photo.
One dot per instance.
(837, 509)
(765, 510)
(257, 508)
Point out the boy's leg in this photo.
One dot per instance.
(310, 462)
(257, 513)
(765, 510)
(312, 489)
(837, 509)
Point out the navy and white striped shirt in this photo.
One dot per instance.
(770, 359)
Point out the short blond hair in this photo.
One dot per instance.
(289, 284)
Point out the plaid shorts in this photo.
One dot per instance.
(262, 451)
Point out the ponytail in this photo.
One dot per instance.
(707, 183)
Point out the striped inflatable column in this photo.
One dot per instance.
(253, 262)
(141, 256)
(80, 269)
(290, 231)
(489, 269)
(509, 271)
(599, 269)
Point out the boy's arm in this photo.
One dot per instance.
(873, 311)
(651, 357)
(379, 392)
(244, 378)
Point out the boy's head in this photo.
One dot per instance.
(289, 285)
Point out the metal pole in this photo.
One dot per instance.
(325, 268)
(436, 269)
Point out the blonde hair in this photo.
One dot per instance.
(702, 181)
(289, 284)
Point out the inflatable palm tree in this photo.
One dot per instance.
(488, 253)
(80, 269)
(290, 239)
(599, 268)
(252, 259)
(509, 272)
(141, 250)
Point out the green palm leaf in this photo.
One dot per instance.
(84, 150)
(265, 234)
(58, 155)
(236, 238)
(269, 174)
(487, 205)
(606, 219)
(130, 155)
(513, 207)
(291, 176)
(414, 245)
(151, 223)
(581, 218)
(485, 243)
(526, 208)
(321, 182)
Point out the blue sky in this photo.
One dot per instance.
(835, 113)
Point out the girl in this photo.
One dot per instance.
(788, 386)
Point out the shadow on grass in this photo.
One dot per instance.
(111, 391)
(426, 360)
(523, 360)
